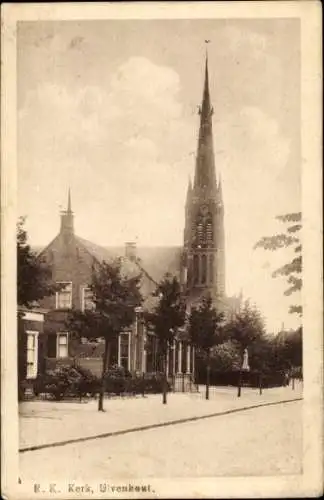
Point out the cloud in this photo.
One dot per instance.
(254, 154)
(127, 143)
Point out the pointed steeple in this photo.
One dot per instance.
(67, 226)
(220, 189)
(189, 192)
(69, 202)
(205, 176)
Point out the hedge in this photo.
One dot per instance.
(74, 381)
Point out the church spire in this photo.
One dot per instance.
(69, 202)
(220, 189)
(205, 176)
(67, 225)
(189, 192)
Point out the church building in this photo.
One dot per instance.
(199, 265)
(203, 265)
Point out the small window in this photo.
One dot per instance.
(62, 345)
(196, 269)
(64, 296)
(123, 351)
(87, 303)
(32, 357)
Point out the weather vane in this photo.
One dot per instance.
(207, 42)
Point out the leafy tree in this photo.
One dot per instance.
(115, 297)
(225, 356)
(245, 327)
(34, 282)
(290, 349)
(205, 330)
(34, 276)
(289, 238)
(167, 316)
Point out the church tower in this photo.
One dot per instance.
(204, 259)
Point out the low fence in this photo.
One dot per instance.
(251, 378)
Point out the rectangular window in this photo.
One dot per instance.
(196, 269)
(124, 350)
(64, 296)
(62, 345)
(32, 354)
(87, 303)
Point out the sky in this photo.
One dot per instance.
(109, 109)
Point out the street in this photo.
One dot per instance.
(260, 441)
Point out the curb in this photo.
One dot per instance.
(153, 426)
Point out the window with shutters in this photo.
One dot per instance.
(64, 296)
(62, 345)
(87, 303)
(32, 356)
(124, 350)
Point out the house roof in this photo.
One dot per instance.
(129, 266)
(152, 262)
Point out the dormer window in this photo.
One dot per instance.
(64, 296)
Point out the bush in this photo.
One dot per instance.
(153, 383)
(75, 381)
(66, 381)
(249, 379)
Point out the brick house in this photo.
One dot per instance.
(71, 260)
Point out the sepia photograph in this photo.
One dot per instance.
(161, 251)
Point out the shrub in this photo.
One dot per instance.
(66, 381)
(75, 381)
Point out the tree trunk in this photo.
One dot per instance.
(208, 376)
(103, 374)
(239, 385)
(260, 384)
(164, 389)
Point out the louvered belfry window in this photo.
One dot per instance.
(209, 232)
(203, 233)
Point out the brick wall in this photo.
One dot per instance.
(69, 261)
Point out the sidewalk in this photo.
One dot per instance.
(46, 422)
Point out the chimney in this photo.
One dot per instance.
(130, 250)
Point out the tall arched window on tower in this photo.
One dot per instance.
(196, 269)
(200, 233)
(211, 268)
(209, 232)
(203, 269)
